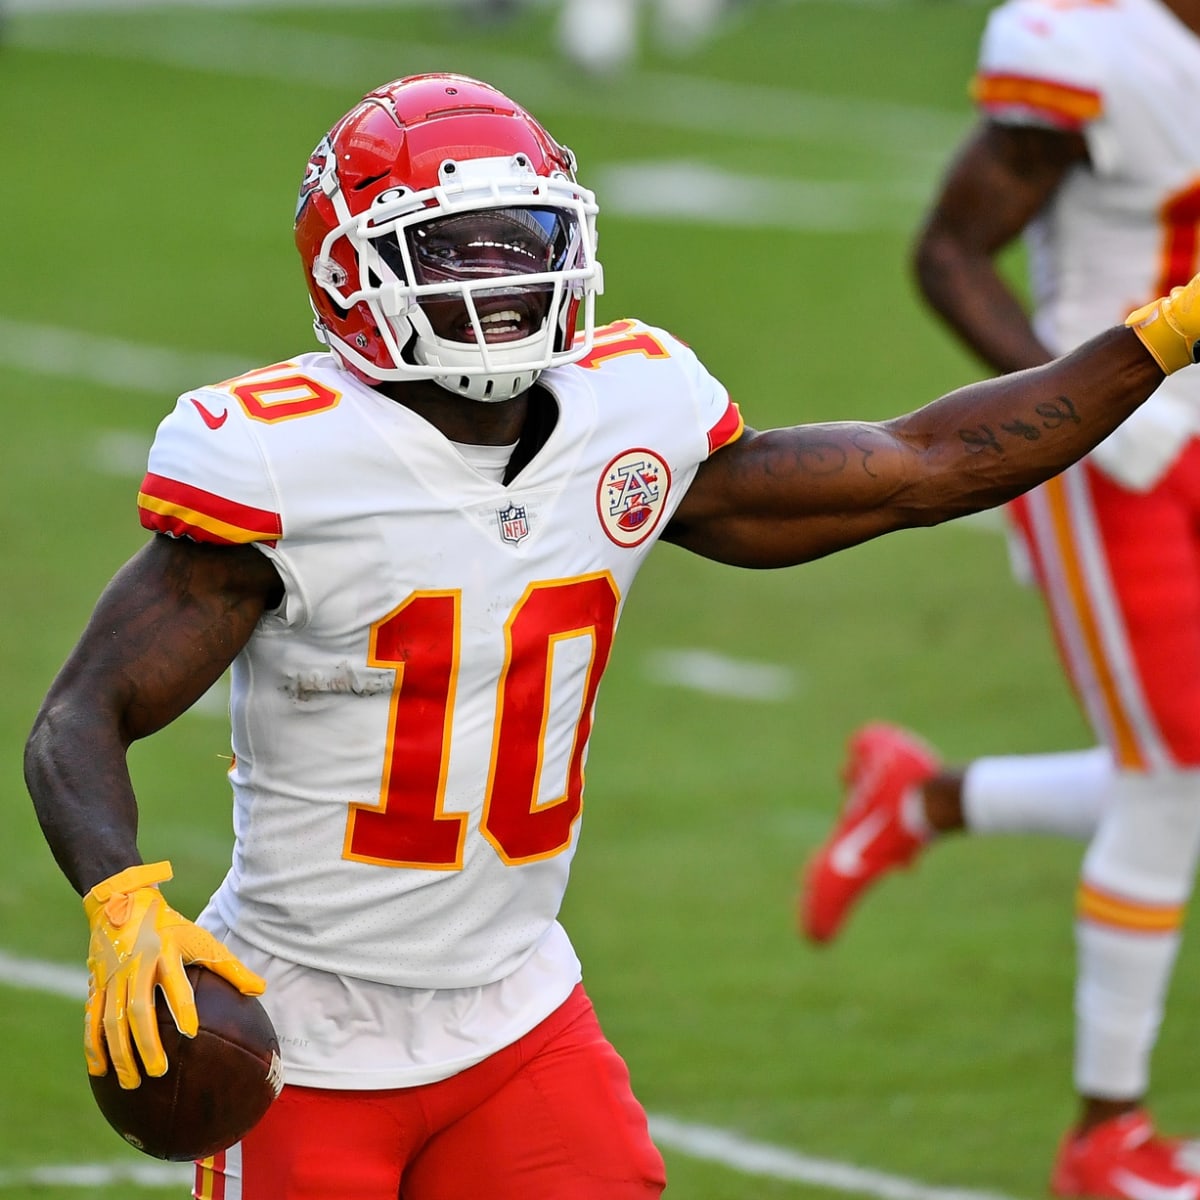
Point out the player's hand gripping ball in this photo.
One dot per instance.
(206, 1066)
(218, 1084)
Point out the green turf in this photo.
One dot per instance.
(151, 169)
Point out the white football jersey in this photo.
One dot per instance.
(410, 728)
(1126, 75)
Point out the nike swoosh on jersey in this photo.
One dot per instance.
(1146, 1189)
(213, 422)
(846, 856)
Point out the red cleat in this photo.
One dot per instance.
(1124, 1159)
(871, 837)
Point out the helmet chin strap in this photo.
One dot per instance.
(490, 389)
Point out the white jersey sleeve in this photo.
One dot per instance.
(1041, 64)
(206, 478)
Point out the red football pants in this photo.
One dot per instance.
(551, 1117)
(1120, 572)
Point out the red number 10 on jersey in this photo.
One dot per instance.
(409, 826)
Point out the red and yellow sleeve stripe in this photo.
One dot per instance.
(1061, 104)
(1105, 908)
(168, 506)
(727, 429)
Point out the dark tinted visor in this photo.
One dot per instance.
(492, 243)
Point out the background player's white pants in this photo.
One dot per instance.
(1138, 875)
(602, 35)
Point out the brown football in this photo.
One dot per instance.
(218, 1084)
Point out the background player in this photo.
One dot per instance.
(602, 37)
(1085, 144)
(413, 550)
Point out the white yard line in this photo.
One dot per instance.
(109, 361)
(52, 979)
(711, 1144)
(716, 674)
(683, 192)
(93, 1175)
(705, 1142)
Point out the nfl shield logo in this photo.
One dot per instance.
(513, 524)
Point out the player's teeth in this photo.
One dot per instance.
(509, 317)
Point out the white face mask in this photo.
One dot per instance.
(481, 289)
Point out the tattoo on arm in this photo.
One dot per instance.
(823, 458)
(1022, 429)
(979, 440)
(1058, 412)
(1053, 414)
(864, 447)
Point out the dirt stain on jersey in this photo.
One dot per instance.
(344, 679)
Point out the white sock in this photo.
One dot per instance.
(1138, 874)
(1063, 794)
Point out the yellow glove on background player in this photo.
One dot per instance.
(139, 942)
(1170, 327)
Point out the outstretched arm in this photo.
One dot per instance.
(790, 495)
(786, 496)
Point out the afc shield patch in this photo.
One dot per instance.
(632, 495)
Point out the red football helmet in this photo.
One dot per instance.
(444, 237)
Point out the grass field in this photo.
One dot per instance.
(757, 199)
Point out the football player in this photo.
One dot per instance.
(601, 36)
(412, 546)
(1083, 145)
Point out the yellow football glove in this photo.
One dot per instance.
(139, 942)
(1170, 327)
